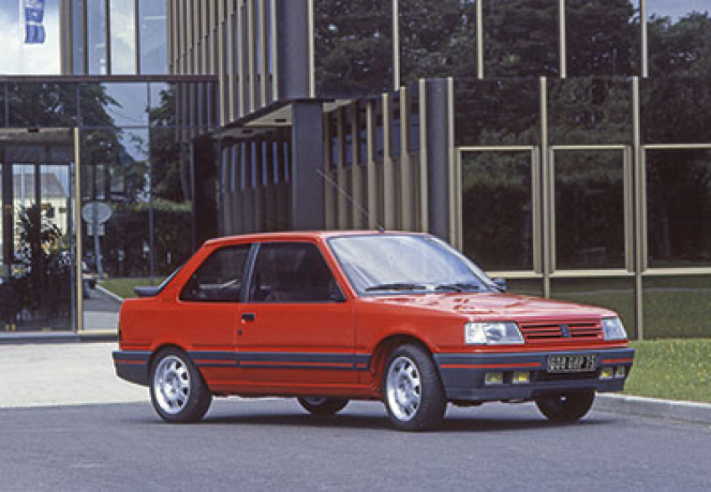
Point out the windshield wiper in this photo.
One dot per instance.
(396, 286)
(461, 287)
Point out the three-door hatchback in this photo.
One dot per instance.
(328, 317)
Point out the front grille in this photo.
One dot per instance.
(555, 332)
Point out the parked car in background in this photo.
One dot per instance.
(329, 317)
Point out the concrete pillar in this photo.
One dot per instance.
(438, 158)
(307, 167)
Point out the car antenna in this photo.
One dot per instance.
(350, 198)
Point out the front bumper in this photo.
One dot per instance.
(463, 374)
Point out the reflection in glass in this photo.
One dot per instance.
(603, 38)
(123, 37)
(590, 111)
(78, 48)
(679, 207)
(42, 104)
(589, 209)
(677, 307)
(497, 112)
(154, 55)
(496, 209)
(96, 37)
(520, 37)
(116, 103)
(438, 40)
(353, 43)
(675, 110)
(616, 294)
(170, 200)
(679, 37)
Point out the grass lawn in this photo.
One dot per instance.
(123, 287)
(672, 369)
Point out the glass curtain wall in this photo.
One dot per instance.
(122, 37)
(138, 161)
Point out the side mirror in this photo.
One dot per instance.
(501, 284)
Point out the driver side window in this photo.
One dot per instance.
(219, 278)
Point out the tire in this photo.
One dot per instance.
(178, 390)
(412, 390)
(322, 406)
(569, 407)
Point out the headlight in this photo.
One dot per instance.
(492, 334)
(613, 329)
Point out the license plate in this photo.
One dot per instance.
(572, 363)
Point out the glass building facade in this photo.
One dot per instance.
(66, 144)
(562, 144)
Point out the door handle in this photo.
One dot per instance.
(249, 317)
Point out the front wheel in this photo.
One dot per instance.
(412, 389)
(178, 391)
(569, 407)
(322, 405)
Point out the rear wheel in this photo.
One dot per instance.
(178, 391)
(322, 405)
(569, 407)
(412, 389)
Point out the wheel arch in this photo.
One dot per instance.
(382, 351)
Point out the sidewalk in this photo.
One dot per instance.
(36, 375)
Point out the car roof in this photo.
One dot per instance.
(303, 235)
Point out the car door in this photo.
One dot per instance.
(206, 314)
(296, 326)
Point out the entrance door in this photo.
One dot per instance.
(36, 267)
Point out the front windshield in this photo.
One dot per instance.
(379, 263)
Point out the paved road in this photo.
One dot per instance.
(272, 445)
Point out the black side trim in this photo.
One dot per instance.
(281, 360)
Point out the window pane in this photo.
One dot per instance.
(115, 104)
(677, 307)
(154, 54)
(590, 111)
(42, 104)
(520, 37)
(497, 112)
(603, 38)
(589, 208)
(78, 48)
(219, 278)
(96, 37)
(353, 42)
(679, 207)
(676, 110)
(437, 39)
(123, 37)
(497, 207)
(291, 272)
(679, 37)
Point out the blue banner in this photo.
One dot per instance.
(34, 16)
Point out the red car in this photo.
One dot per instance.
(328, 317)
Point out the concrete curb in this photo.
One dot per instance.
(699, 413)
(110, 294)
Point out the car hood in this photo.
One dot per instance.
(495, 305)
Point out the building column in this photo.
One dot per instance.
(307, 167)
(439, 158)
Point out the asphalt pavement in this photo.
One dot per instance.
(274, 445)
(67, 423)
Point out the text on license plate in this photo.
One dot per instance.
(572, 363)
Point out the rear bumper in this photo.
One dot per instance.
(463, 374)
(132, 366)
